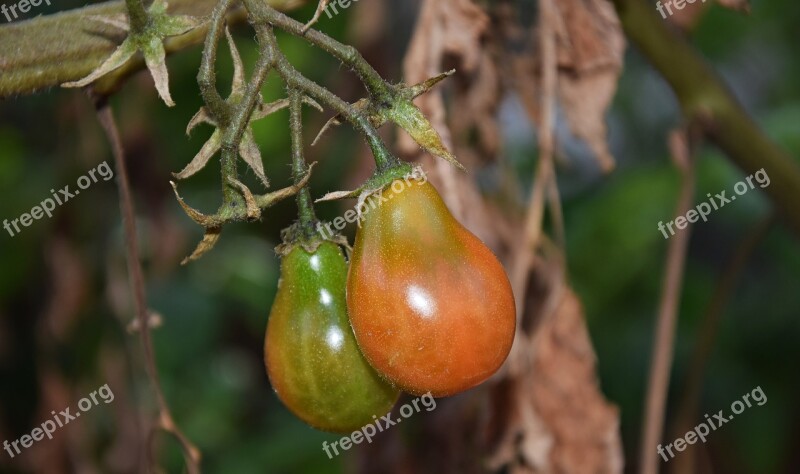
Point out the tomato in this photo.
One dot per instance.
(430, 304)
(312, 358)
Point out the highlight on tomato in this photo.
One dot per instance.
(431, 306)
(312, 358)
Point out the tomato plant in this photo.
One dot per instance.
(430, 305)
(312, 357)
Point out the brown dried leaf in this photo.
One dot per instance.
(210, 239)
(590, 47)
(458, 31)
(334, 195)
(252, 210)
(252, 156)
(200, 160)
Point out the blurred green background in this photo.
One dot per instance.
(214, 311)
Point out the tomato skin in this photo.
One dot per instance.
(312, 358)
(431, 306)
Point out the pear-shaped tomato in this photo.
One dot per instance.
(430, 305)
(312, 358)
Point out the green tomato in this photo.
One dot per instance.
(313, 361)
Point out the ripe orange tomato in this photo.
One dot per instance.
(430, 304)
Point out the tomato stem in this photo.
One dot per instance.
(378, 88)
(297, 81)
(206, 77)
(305, 208)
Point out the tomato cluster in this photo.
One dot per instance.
(424, 307)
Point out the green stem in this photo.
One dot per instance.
(35, 56)
(206, 76)
(137, 15)
(305, 208)
(380, 90)
(705, 98)
(294, 79)
(239, 121)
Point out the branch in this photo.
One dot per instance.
(687, 412)
(663, 344)
(50, 50)
(165, 420)
(704, 98)
(544, 174)
(295, 80)
(378, 88)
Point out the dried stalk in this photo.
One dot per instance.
(653, 419)
(165, 420)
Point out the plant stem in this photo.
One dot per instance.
(380, 90)
(705, 98)
(295, 80)
(671, 290)
(239, 120)
(206, 76)
(165, 420)
(34, 55)
(305, 208)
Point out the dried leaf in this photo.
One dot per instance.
(210, 239)
(446, 30)
(154, 58)
(124, 52)
(200, 117)
(332, 122)
(590, 47)
(238, 85)
(320, 8)
(252, 156)
(200, 160)
(252, 210)
(195, 215)
(334, 195)
(266, 200)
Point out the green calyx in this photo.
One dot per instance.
(376, 182)
(147, 30)
(309, 236)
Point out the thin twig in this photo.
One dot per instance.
(706, 337)
(262, 13)
(206, 76)
(295, 80)
(520, 271)
(653, 420)
(321, 6)
(165, 420)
